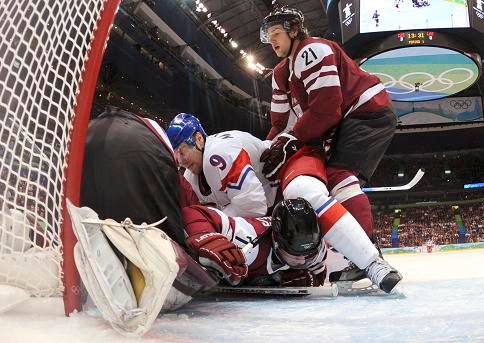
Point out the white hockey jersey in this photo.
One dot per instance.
(232, 175)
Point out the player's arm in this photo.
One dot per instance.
(187, 194)
(212, 248)
(280, 106)
(316, 66)
(203, 198)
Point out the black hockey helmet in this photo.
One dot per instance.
(297, 239)
(286, 16)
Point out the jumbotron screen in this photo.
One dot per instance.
(372, 16)
(396, 15)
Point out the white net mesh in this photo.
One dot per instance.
(43, 50)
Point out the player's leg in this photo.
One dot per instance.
(339, 227)
(357, 150)
(303, 177)
(344, 186)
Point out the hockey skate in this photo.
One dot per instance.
(383, 275)
(350, 273)
(351, 280)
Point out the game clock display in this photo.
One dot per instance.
(358, 17)
(416, 37)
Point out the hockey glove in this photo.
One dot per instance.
(280, 151)
(303, 277)
(215, 251)
(318, 272)
(296, 278)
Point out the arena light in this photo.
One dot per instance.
(474, 185)
(234, 44)
(400, 174)
(447, 172)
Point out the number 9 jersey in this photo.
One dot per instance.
(232, 175)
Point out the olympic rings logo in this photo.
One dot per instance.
(461, 104)
(409, 87)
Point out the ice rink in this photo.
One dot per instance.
(442, 300)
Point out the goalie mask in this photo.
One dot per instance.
(297, 239)
(285, 16)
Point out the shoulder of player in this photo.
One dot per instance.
(221, 140)
(310, 52)
(281, 66)
(280, 75)
(221, 149)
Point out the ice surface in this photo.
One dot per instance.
(442, 301)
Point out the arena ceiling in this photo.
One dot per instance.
(242, 18)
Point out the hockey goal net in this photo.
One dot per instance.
(50, 54)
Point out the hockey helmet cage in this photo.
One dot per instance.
(286, 16)
(182, 128)
(297, 239)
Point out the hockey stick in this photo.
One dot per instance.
(415, 180)
(244, 291)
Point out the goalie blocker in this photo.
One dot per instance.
(159, 275)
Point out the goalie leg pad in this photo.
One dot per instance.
(152, 252)
(149, 250)
(100, 269)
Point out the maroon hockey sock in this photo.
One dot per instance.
(357, 204)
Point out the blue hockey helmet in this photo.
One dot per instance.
(182, 128)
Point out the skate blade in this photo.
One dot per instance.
(364, 288)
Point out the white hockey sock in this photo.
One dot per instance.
(347, 236)
(339, 227)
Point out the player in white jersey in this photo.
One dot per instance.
(224, 168)
(304, 176)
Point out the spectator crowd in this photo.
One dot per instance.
(436, 223)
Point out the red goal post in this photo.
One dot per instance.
(50, 55)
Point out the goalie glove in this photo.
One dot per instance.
(280, 151)
(215, 251)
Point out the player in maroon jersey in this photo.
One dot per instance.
(290, 250)
(322, 97)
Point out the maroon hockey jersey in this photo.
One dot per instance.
(261, 260)
(321, 85)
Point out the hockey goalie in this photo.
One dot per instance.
(132, 272)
